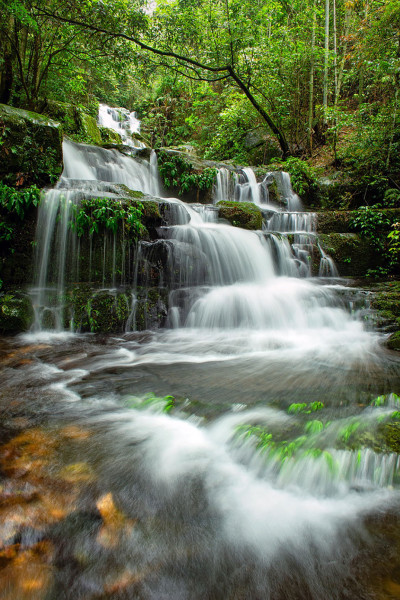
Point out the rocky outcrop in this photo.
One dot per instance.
(30, 148)
(352, 254)
(16, 313)
(241, 214)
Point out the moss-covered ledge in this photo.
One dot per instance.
(241, 214)
(385, 304)
(353, 255)
(30, 148)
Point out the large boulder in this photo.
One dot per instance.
(241, 214)
(30, 149)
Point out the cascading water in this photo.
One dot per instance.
(88, 173)
(263, 480)
(125, 123)
(279, 222)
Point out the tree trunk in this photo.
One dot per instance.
(6, 73)
(311, 83)
(326, 61)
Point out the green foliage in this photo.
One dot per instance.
(302, 176)
(305, 408)
(369, 221)
(93, 214)
(394, 243)
(391, 198)
(18, 201)
(160, 404)
(347, 431)
(177, 172)
(373, 224)
(313, 427)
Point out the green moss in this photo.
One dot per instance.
(16, 313)
(241, 214)
(352, 254)
(393, 342)
(151, 308)
(64, 113)
(108, 313)
(109, 136)
(391, 436)
(30, 148)
(88, 128)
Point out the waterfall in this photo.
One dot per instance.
(281, 223)
(125, 123)
(88, 173)
(217, 276)
(259, 477)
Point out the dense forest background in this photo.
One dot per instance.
(252, 81)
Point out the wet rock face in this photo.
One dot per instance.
(352, 254)
(88, 309)
(30, 148)
(16, 313)
(241, 214)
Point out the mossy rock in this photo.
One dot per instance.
(393, 343)
(88, 127)
(334, 221)
(108, 312)
(241, 214)
(340, 221)
(30, 148)
(391, 435)
(64, 113)
(352, 254)
(17, 254)
(16, 313)
(109, 136)
(386, 304)
(151, 308)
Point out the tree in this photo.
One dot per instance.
(230, 59)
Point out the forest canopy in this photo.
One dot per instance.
(249, 80)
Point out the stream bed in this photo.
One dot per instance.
(111, 489)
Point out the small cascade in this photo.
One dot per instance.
(83, 162)
(327, 267)
(286, 192)
(124, 122)
(224, 188)
(295, 257)
(89, 172)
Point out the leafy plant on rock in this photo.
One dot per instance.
(93, 214)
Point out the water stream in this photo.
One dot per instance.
(268, 475)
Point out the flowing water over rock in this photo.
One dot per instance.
(247, 450)
(124, 122)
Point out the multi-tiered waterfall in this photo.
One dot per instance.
(254, 486)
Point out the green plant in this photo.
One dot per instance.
(96, 213)
(164, 404)
(370, 221)
(18, 201)
(179, 173)
(305, 408)
(394, 242)
(302, 176)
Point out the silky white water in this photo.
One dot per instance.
(232, 490)
(125, 123)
